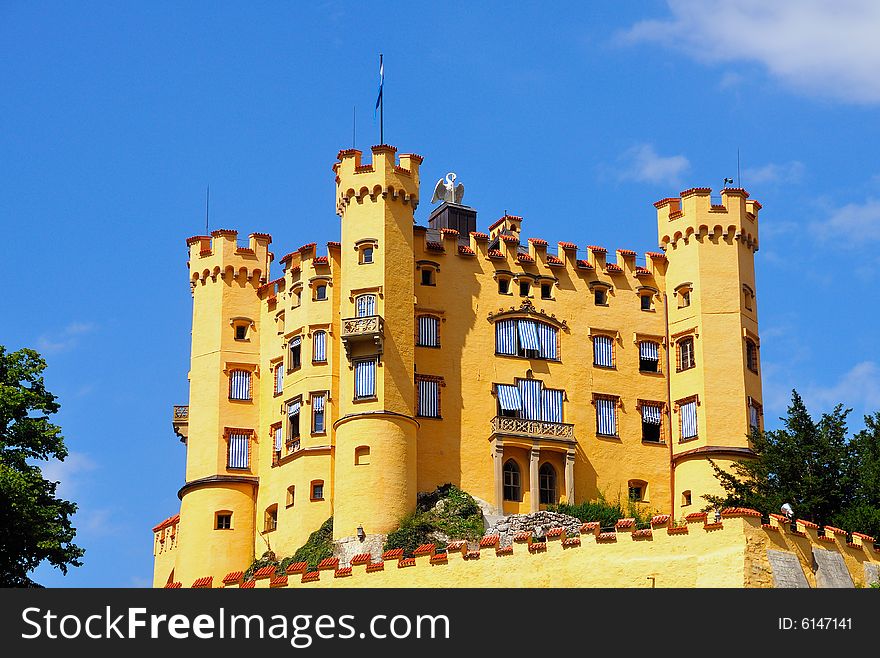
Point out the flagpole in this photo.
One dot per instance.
(381, 102)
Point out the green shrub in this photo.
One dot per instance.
(458, 517)
(318, 546)
(606, 513)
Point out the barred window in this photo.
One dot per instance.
(319, 347)
(365, 305)
(686, 357)
(240, 385)
(606, 416)
(751, 355)
(318, 414)
(527, 338)
(279, 379)
(688, 412)
(365, 379)
(428, 398)
(238, 451)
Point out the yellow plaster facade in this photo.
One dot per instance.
(388, 406)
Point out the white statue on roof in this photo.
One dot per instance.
(448, 191)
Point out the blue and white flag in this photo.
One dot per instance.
(381, 82)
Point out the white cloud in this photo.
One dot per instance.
(643, 164)
(818, 47)
(851, 225)
(857, 388)
(789, 172)
(64, 340)
(69, 473)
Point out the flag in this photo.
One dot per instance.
(381, 82)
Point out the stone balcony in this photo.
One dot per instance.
(369, 329)
(543, 430)
(180, 421)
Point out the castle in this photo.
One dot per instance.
(408, 356)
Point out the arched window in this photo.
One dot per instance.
(751, 355)
(527, 338)
(365, 305)
(319, 347)
(512, 481)
(547, 484)
(271, 518)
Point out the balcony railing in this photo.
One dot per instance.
(538, 429)
(367, 328)
(180, 421)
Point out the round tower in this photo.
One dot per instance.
(714, 378)
(218, 498)
(375, 449)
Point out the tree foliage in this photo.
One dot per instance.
(828, 478)
(35, 525)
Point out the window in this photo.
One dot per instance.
(512, 481)
(529, 399)
(525, 289)
(651, 422)
(366, 255)
(279, 379)
(319, 347)
(649, 356)
(751, 355)
(606, 416)
(547, 484)
(238, 451)
(278, 436)
(223, 521)
(429, 331)
(320, 292)
(526, 338)
(685, 498)
(295, 351)
(291, 495)
(503, 286)
(365, 305)
(317, 490)
(364, 379)
(637, 490)
(362, 456)
(600, 297)
(297, 297)
(293, 409)
(240, 385)
(318, 414)
(428, 394)
(755, 412)
(603, 351)
(748, 297)
(427, 276)
(546, 291)
(683, 292)
(240, 332)
(688, 412)
(646, 302)
(271, 519)
(686, 359)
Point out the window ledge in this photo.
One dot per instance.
(371, 399)
(324, 433)
(319, 363)
(430, 417)
(241, 399)
(650, 372)
(269, 530)
(289, 506)
(596, 365)
(436, 347)
(615, 437)
(654, 443)
(316, 500)
(688, 439)
(606, 305)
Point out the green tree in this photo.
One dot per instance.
(862, 512)
(806, 463)
(35, 525)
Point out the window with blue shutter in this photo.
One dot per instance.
(318, 413)
(238, 451)
(365, 305)
(603, 351)
(428, 331)
(240, 385)
(364, 379)
(505, 337)
(319, 347)
(428, 398)
(649, 356)
(688, 420)
(606, 416)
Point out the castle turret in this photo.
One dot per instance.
(217, 501)
(375, 453)
(715, 385)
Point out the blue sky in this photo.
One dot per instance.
(116, 116)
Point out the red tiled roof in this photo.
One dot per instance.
(662, 202)
(264, 572)
(770, 526)
(569, 542)
(376, 566)
(203, 583)
(626, 252)
(642, 271)
(278, 581)
(643, 533)
(658, 255)
(554, 260)
(361, 558)
(555, 532)
(439, 558)
(583, 264)
(342, 573)
(696, 190)
(607, 536)
(464, 250)
(320, 260)
(739, 511)
(406, 562)
(307, 247)
(425, 549)
(836, 531)
(713, 526)
(509, 238)
(599, 250)
(224, 231)
(233, 577)
(248, 584)
(495, 253)
(525, 258)
(311, 576)
(479, 236)
(472, 555)
(696, 516)
(173, 585)
(393, 554)
(449, 231)
(590, 526)
(807, 524)
(456, 546)
(677, 530)
(489, 540)
(568, 245)
(625, 523)
(660, 519)
(171, 520)
(297, 567)
(504, 550)
(328, 563)
(863, 536)
(614, 269)
(196, 238)
(525, 535)
(434, 246)
(334, 245)
(499, 221)
(538, 242)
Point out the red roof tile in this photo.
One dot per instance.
(171, 520)
(504, 550)
(472, 555)
(644, 533)
(342, 573)
(739, 511)
(361, 558)
(406, 562)
(525, 258)
(328, 563)
(625, 523)
(499, 221)
(590, 526)
(495, 253)
(425, 549)
(464, 250)
(607, 536)
(307, 247)
(660, 519)
(626, 252)
(555, 532)
(248, 584)
(554, 260)
(662, 202)
(320, 260)
(677, 530)
(598, 250)
(836, 531)
(568, 245)
(509, 238)
(449, 231)
(657, 255)
(376, 566)
(439, 558)
(311, 576)
(203, 583)
(278, 581)
(570, 542)
(393, 554)
(696, 190)
(696, 516)
(264, 572)
(297, 567)
(585, 265)
(479, 236)
(434, 246)
(525, 535)
(233, 577)
(456, 546)
(538, 242)
(807, 524)
(173, 585)
(614, 269)
(489, 540)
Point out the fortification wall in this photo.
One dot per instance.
(731, 552)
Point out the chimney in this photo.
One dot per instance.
(452, 215)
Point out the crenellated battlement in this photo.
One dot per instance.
(220, 254)
(695, 212)
(705, 550)
(388, 175)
